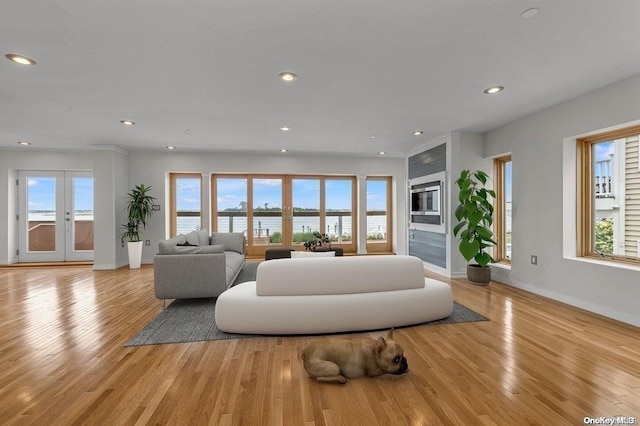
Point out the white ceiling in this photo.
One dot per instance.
(202, 75)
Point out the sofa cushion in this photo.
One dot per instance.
(339, 275)
(164, 247)
(195, 249)
(203, 237)
(311, 254)
(232, 241)
(192, 238)
(233, 262)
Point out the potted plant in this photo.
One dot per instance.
(139, 209)
(318, 242)
(475, 217)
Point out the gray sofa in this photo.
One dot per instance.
(197, 265)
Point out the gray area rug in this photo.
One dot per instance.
(193, 320)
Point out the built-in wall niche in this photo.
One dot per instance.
(426, 218)
(427, 203)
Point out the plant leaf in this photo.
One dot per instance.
(475, 217)
(458, 227)
(484, 232)
(482, 258)
(469, 249)
(464, 195)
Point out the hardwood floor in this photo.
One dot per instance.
(63, 361)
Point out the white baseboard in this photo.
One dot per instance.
(625, 317)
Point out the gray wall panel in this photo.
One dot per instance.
(431, 247)
(428, 162)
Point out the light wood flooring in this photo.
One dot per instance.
(63, 361)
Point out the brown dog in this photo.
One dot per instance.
(336, 360)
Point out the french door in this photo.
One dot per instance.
(56, 216)
(283, 210)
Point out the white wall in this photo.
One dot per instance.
(116, 171)
(111, 182)
(151, 168)
(541, 207)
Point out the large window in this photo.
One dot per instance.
(185, 206)
(282, 210)
(379, 214)
(609, 196)
(502, 181)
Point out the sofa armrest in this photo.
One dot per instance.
(189, 276)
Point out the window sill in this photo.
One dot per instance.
(501, 265)
(608, 263)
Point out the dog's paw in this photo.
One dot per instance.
(333, 379)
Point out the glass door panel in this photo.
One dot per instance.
(305, 202)
(42, 215)
(339, 210)
(378, 218)
(266, 212)
(231, 202)
(81, 231)
(187, 203)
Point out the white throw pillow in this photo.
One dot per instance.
(311, 254)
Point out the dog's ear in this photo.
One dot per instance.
(390, 334)
(381, 344)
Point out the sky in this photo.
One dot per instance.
(41, 193)
(603, 150)
(305, 192)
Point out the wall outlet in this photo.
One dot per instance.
(534, 259)
(147, 242)
(155, 207)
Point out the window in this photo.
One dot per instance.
(339, 208)
(502, 181)
(284, 210)
(229, 203)
(185, 207)
(609, 196)
(378, 214)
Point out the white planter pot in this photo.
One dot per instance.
(135, 254)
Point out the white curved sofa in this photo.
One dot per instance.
(333, 294)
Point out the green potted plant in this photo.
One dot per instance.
(318, 242)
(139, 208)
(475, 217)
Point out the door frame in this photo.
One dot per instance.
(64, 218)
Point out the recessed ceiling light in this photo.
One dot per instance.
(287, 76)
(530, 13)
(284, 150)
(418, 133)
(19, 59)
(382, 153)
(127, 122)
(372, 137)
(493, 89)
(171, 148)
(24, 143)
(285, 129)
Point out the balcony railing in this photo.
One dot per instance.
(603, 175)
